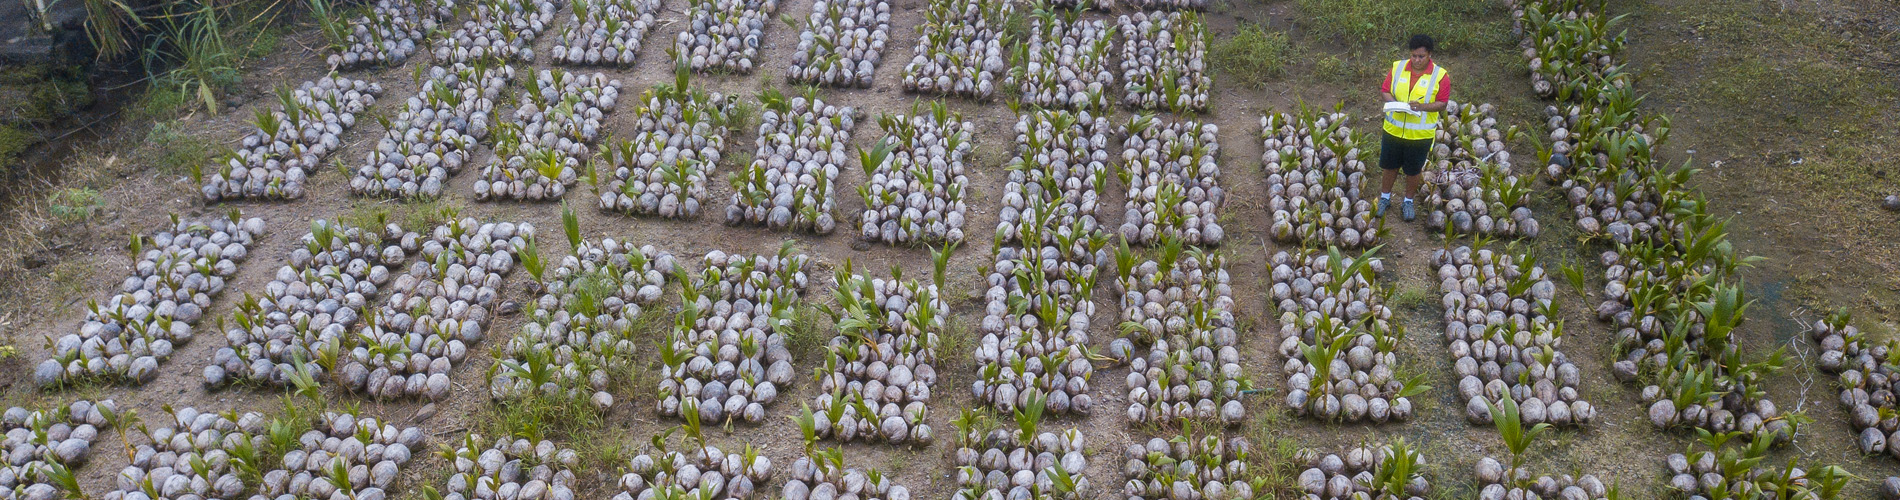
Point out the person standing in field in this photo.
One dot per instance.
(1407, 141)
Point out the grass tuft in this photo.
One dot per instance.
(1252, 54)
(72, 205)
(1457, 25)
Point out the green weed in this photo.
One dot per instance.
(1252, 54)
(1456, 24)
(72, 205)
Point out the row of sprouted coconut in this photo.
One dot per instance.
(1065, 62)
(274, 160)
(543, 151)
(1172, 172)
(502, 30)
(431, 315)
(916, 178)
(961, 49)
(723, 35)
(434, 135)
(1865, 376)
(1048, 247)
(1677, 308)
(1315, 180)
(386, 35)
(1474, 189)
(661, 168)
(1025, 462)
(175, 274)
(189, 453)
(1386, 472)
(822, 473)
(45, 447)
(317, 298)
(604, 32)
(1192, 465)
(1180, 306)
(801, 149)
(1569, 45)
(1164, 61)
(726, 357)
(1504, 344)
(701, 470)
(1712, 468)
(842, 44)
(880, 370)
(1338, 338)
(518, 468)
(579, 338)
(1602, 156)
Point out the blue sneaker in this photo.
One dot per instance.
(1407, 212)
(1384, 203)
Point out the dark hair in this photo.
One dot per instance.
(1421, 41)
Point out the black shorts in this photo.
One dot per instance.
(1403, 154)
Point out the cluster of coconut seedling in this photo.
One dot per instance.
(1728, 472)
(962, 49)
(1676, 308)
(701, 470)
(388, 33)
(1164, 61)
(1173, 178)
(1389, 472)
(1338, 338)
(604, 32)
(1198, 5)
(1473, 190)
(723, 35)
(519, 469)
(662, 167)
(1499, 483)
(1181, 307)
(273, 161)
(1315, 181)
(1065, 62)
(842, 43)
(1503, 343)
(342, 455)
(821, 473)
(176, 272)
(877, 380)
(1057, 175)
(502, 30)
(434, 135)
(1570, 45)
(542, 152)
(726, 359)
(1865, 378)
(580, 334)
(44, 446)
(432, 314)
(801, 150)
(915, 178)
(1603, 158)
(190, 454)
(1190, 466)
(1036, 322)
(993, 462)
(318, 295)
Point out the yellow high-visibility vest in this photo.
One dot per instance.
(1425, 90)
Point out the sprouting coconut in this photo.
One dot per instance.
(1338, 339)
(389, 32)
(1181, 308)
(577, 337)
(434, 135)
(1386, 472)
(498, 30)
(1315, 181)
(723, 35)
(1172, 172)
(915, 180)
(546, 148)
(1219, 468)
(176, 272)
(1067, 63)
(726, 359)
(662, 167)
(316, 299)
(1502, 342)
(962, 49)
(516, 468)
(842, 43)
(604, 32)
(274, 160)
(1164, 61)
(789, 184)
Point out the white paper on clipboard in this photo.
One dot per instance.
(1401, 107)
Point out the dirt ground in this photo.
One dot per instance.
(1812, 267)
